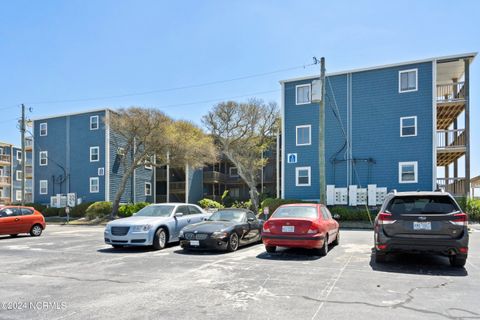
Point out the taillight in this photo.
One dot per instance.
(385, 218)
(266, 227)
(460, 219)
(313, 230)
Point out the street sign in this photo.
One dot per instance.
(292, 158)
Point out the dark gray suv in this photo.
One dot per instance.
(422, 222)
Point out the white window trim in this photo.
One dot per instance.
(415, 168)
(40, 187)
(309, 135)
(101, 171)
(19, 152)
(400, 80)
(18, 195)
(98, 154)
(16, 175)
(297, 170)
(40, 158)
(46, 129)
(230, 172)
(150, 190)
(310, 94)
(91, 122)
(402, 126)
(98, 184)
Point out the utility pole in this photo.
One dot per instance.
(321, 135)
(22, 131)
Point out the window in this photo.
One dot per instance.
(408, 126)
(303, 94)
(148, 189)
(43, 129)
(43, 158)
(26, 212)
(407, 80)
(304, 135)
(148, 163)
(407, 172)
(194, 210)
(302, 176)
(182, 209)
(94, 185)
(94, 123)
(43, 187)
(235, 192)
(326, 214)
(19, 155)
(101, 171)
(18, 175)
(18, 195)
(94, 154)
(233, 172)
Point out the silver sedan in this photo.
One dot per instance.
(155, 225)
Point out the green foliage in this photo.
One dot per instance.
(98, 210)
(473, 209)
(80, 210)
(52, 212)
(242, 204)
(352, 213)
(209, 204)
(274, 203)
(127, 210)
(227, 200)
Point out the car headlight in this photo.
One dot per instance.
(180, 234)
(219, 235)
(107, 229)
(142, 227)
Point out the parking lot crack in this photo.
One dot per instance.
(69, 277)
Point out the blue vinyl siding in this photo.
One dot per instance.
(195, 184)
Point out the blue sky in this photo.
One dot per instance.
(63, 50)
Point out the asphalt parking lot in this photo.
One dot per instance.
(69, 273)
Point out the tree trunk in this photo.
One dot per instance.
(254, 196)
(121, 190)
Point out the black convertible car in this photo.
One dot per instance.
(226, 229)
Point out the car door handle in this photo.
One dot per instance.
(17, 219)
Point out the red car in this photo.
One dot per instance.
(303, 225)
(15, 220)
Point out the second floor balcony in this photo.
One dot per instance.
(214, 177)
(451, 145)
(4, 181)
(4, 160)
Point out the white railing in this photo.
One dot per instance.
(451, 138)
(454, 186)
(450, 92)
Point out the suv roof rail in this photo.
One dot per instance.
(393, 191)
(440, 190)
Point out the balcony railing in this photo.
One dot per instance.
(28, 172)
(177, 187)
(450, 92)
(28, 143)
(4, 158)
(455, 186)
(214, 177)
(451, 138)
(4, 180)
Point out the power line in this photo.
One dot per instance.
(199, 85)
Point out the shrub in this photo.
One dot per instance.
(209, 204)
(242, 204)
(352, 213)
(473, 209)
(80, 210)
(52, 212)
(227, 200)
(127, 210)
(98, 210)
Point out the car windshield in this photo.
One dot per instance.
(230, 215)
(155, 211)
(296, 212)
(422, 205)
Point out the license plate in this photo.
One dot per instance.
(422, 226)
(288, 228)
(194, 242)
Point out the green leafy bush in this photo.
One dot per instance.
(98, 210)
(209, 204)
(127, 210)
(242, 204)
(52, 212)
(80, 210)
(352, 213)
(227, 200)
(473, 209)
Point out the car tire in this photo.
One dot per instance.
(380, 257)
(117, 246)
(160, 239)
(323, 251)
(270, 249)
(14, 235)
(233, 242)
(336, 242)
(36, 230)
(458, 261)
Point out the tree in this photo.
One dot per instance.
(243, 132)
(146, 136)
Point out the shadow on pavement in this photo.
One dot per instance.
(134, 249)
(292, 254)
(431, 265)
(206, 252)
(17, 237)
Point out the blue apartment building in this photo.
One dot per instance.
(403, 126)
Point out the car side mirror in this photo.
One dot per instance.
(178, 214)
(336, 216)
(251, 219)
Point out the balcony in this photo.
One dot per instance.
(451, 145)
(4, 160)
(4, 181)
(214, 177)
(177, 187)
(454, 186)
(4, 200)
(450, 103)
(29, 144)
(28, 172)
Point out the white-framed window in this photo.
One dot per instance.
(19, 155)
(43, 158)
(408, 172)
(18, 195)
(304, 135)
(233, 171)
(303, 94)
(408, 80)
(148, 163)
(94, 185)
(18, 175)
(408, 126)
(101, 171)
(94, 123)
(43, 188)
(43, 129)
(94, 154)
(148, 189)
(303, 176)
